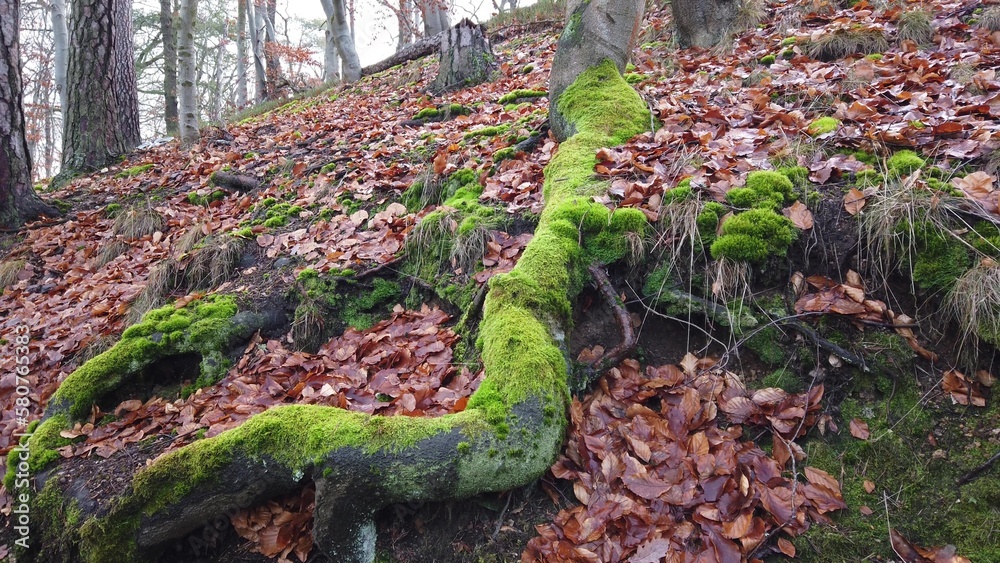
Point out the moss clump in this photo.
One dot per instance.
(489, 131)
(764, 189)
(42, 449)
(939, 259)
(135, 171)
(823, 125)
(521, 94)
(678, 194)
(788, 41)
(204, 327)
(444, 112)
(783, 379)
(904, 162)
(506, 153)
(767, 60)
(766, 344)
(797, 175)
(754, 236)
(634, 77)
(112, 210)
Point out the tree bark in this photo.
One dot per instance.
(168, 33)
(256, 26)
(403, 29)
(18, 200)
(331, 55)
(703, 23)
(435, 17)
(102, 117)
(186, 66)
(60, 45)
(241, 54)
(345, 41)
(466, 58)
(595, 31)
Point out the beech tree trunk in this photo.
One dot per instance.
(703, 23)
(186, 66)
(18, 201)
(256, 22)
(332, 56)
(169, 35)
(435, 16)
(60, 45)
(342, 36)
(595, 31)
(403, 29)
(102, 117)
(466, 58)
(241, 54)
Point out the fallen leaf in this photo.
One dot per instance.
(859, 429)
(799, 215)
(869, 486)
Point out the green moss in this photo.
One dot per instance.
(788, 41)
(764, 189)
(135, 171)
(767, 60)
(112, 210)
(940, 259)
(867, 178)
(678, 194)
(797, 175)
(754, 236)
(904, 162)
(783, 379)
(511, 97)
(823, 125)
(634, 77)
(985, 238)
(267, 202)
(489, 131)
(42, 448)
(275, 222)
(504, 154)
(874, 56)
(766, 344)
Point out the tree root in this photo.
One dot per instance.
(626, 347)
(978, 471)
(236, 182)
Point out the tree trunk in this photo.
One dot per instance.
(169, 35)
(275, 78)
(595, 31)
(102, 117)
(186, 66)
(256, 25)
(345, 41)
(703, 23)
(403, 29)
(241, 54)
(220, 51)
(18, 201)
(435, 17)
(60, 45)
(331, 55)
(466, 58)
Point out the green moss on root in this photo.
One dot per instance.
(754, 236)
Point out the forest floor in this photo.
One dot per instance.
(831, 378)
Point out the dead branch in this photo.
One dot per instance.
(977, 472)
(625, 348)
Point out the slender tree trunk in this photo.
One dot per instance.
(186, 64)
(169, 35)
(18, 201)
(60, 44)
(256, 21)
(345, 41)
(703, 23)
(405, 32)
(435, 17)
(271, 58)
(331, 55)
(102, 117)
(241, 54)
(217, 75)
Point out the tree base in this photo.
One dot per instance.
(466, 58)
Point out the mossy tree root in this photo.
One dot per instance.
(509, 434)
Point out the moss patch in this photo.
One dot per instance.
(823, 125)
(754, 236)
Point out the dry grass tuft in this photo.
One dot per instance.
(914, 25)
(189, 239)
(845, 42)
(974, 303)
(8, 272)
(213, 261)
(749, 14)
(469, 248)
(990, 19)
(110, 252)
(163, 278)
(307, 329)
(137, 222)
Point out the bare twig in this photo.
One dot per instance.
(975, 473)
(625, 348)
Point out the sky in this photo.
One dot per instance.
(375, 28)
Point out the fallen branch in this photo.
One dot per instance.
(977, 472)
(624, 348)
(372, 271)
(236, 182)
(424, 47)
(824, 343)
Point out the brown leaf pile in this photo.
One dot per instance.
(659, 473)
(279, 528)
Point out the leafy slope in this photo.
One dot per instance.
(731, 112)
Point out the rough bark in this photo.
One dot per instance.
(331, 54)
(102, 117)
(18, 201)
(275, 77)
(60, 47)
(404, 33)
(422, 48)
(342, 35)
(186, 66)
(466, 58)
(241, 54)
(703, 23)
(171, 112)
(595, 31)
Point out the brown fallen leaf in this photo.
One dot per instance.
(859, 429)
(855, 201)
(865, 510)
(786, 547)
(869, 486)
(799, 215)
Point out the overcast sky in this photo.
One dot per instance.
(376, 28)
